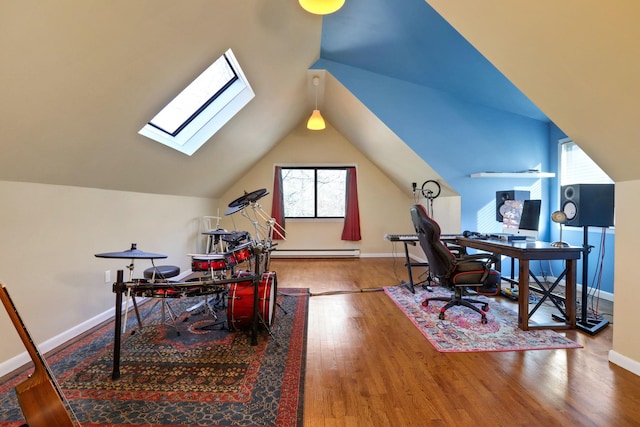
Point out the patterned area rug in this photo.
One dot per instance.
(201, 377)
(462, 331)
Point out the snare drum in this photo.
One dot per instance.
(209, 262)
(240, 310)
(160, 289)
(242, 252)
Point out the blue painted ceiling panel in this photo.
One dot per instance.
(409, 41)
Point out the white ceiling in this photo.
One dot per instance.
(84, 77)
(79, 79)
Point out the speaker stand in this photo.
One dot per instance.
(585, 324)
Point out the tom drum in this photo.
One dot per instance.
(209, 262)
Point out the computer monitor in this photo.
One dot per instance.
(521, 217)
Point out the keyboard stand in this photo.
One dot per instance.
(410, 284)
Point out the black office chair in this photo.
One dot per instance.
(461, 272)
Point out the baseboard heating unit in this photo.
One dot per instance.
(316, 253)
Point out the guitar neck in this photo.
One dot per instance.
(40, 397)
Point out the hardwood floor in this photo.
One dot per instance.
(367, 365)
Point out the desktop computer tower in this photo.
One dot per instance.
(502, 196)
(588, 204)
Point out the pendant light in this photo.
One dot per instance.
(316, 122)
(321, 7)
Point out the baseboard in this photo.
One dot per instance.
(624, 362)
(23, 359)
(316, 253)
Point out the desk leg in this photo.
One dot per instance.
(570, 292)
(523, 294)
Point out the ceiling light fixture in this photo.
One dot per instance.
(321, 7)
(316, 122)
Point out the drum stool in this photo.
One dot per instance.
(161, 272)
(164, 272)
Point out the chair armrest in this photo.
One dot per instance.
(487, 257)
(455, 249)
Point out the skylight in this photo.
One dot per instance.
(202, 108)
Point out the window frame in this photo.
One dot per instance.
(315, 217)
(212, 115)
(561, 173)
(590, 180)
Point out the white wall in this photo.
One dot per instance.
(384, 208)
(49, 236)
(626, 334)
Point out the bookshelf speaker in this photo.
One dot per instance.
(588, 204)
(503, 196)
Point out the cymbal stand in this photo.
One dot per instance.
(256, 224)
(272, 224)
(131, 267)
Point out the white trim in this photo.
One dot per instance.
(211, 119)
(316, 253)
(23, 358)
(624, 362)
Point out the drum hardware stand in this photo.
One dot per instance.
(166, 309)
(220, 298)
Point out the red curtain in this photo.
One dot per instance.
(351, 230)
(277, 205)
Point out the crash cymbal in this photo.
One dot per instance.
(249, 198)
(235, 209)
(131, 253)
(217, 233)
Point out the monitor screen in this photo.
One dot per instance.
(511, 213)
(521, 217)
(530, 218)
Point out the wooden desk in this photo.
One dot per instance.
(525, 251)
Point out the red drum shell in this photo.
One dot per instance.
(242, 252)
(160, 289)
(240, 310)
(208, 263)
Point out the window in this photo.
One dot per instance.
(576, 167)
(314, 192)
(202, 108)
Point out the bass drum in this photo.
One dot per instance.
(240, 308)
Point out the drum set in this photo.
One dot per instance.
(233, 273)
(233, 270)
(235, 255)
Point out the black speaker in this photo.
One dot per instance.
(502, 196)
(588, 204)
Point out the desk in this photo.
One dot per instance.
(525, 251)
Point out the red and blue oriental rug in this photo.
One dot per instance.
(462, 331)
(197, 378)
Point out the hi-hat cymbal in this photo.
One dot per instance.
(131, 253)
(249, 198)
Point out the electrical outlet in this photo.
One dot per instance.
(107, 276)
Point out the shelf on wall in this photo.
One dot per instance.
(513, 175)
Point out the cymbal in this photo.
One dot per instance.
(131, 253)
(249, 197)
(217, 233)
(235, 209)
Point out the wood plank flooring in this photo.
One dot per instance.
(367, 365)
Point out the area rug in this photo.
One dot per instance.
(201, 377)
(462, 331)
